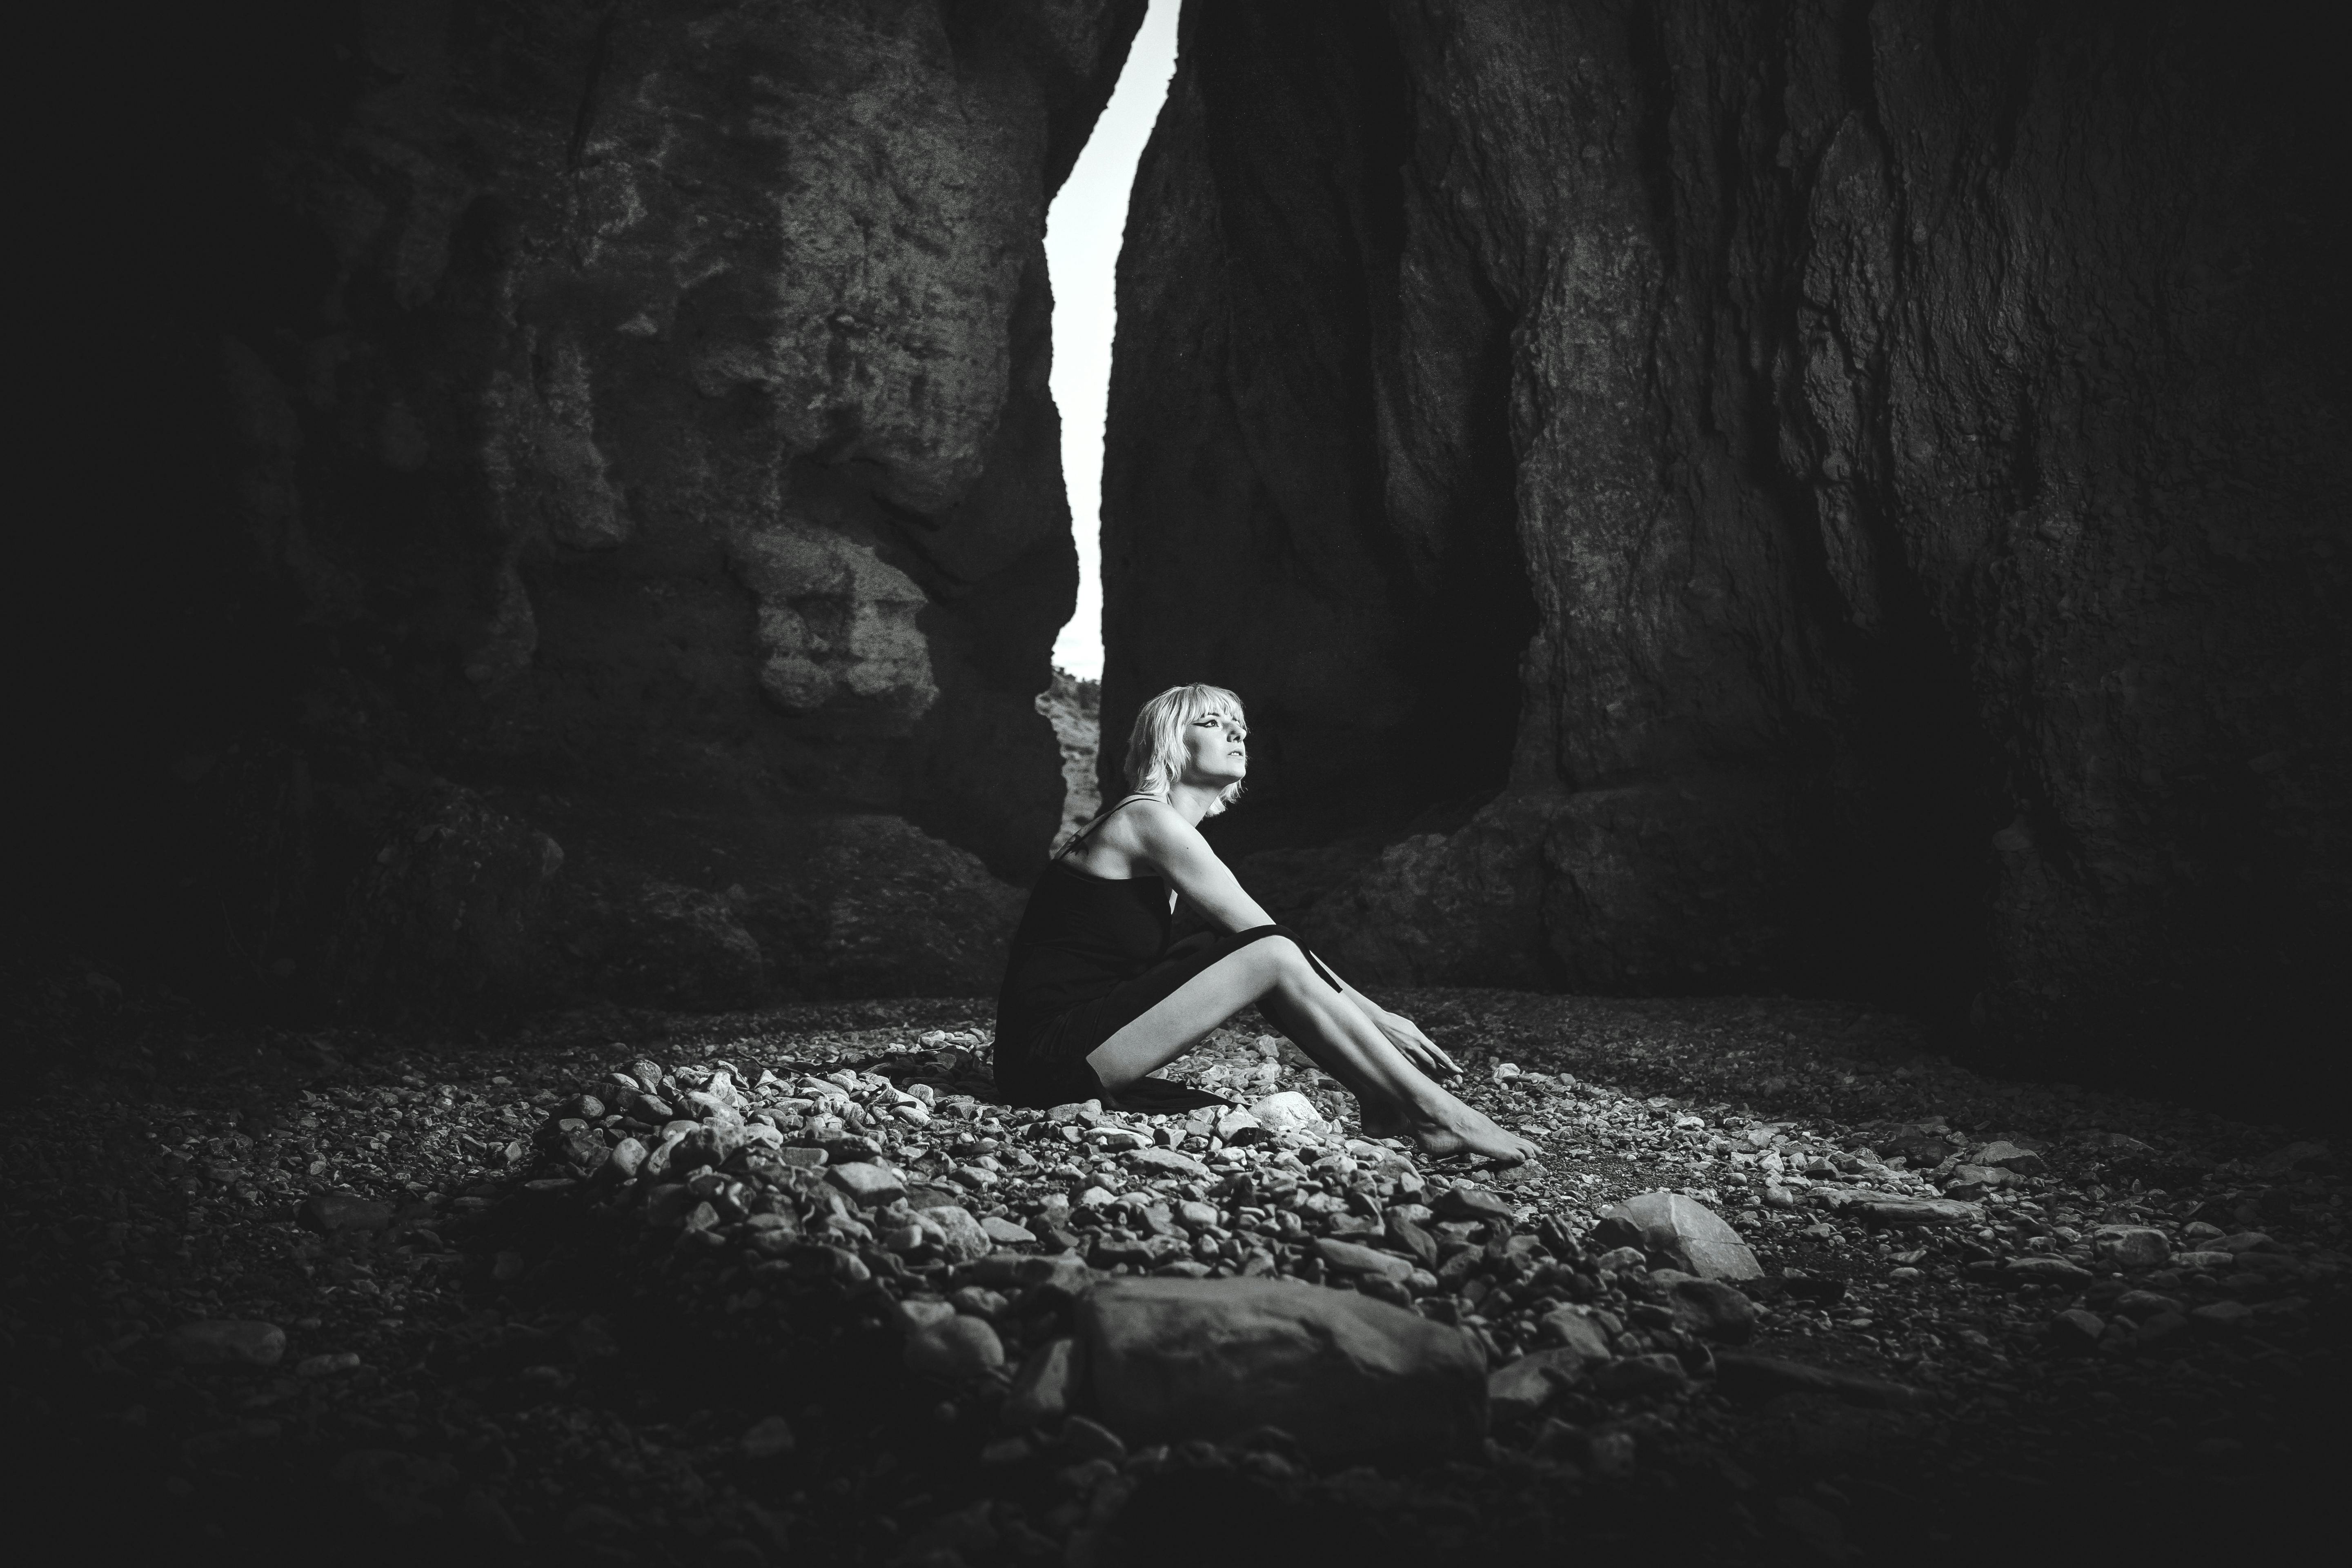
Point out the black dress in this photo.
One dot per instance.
(1092, 954)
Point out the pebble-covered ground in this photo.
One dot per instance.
(671, 1290)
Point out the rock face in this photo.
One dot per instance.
(1699, 497)
(647, 494)
(1170, 1359)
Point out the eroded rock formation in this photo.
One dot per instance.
(1852, 495)
(647, 494)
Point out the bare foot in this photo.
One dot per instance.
(1456, 1129)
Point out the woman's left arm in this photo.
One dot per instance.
(1402, 1032)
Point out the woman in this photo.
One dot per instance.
(1096, 996)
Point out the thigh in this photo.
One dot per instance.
(1215, 991)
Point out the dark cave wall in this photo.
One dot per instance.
(645, 526)
(1920, 428)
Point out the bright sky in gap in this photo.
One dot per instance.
(1082, 235)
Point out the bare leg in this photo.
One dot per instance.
(1330, 1029)
(1381, 1116)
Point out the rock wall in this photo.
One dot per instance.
(1843, 497)
(640, 445)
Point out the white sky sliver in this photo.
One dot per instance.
(1082, 237)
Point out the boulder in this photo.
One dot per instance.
(1684, 1234)
(1343, 1373)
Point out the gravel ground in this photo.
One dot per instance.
(383, 1297)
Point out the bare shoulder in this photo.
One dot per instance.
(1147, 823)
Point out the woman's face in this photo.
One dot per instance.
(1216, 748)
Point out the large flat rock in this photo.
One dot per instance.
(1345, 1374)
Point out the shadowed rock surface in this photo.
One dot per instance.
(645, 486)
(1843, 497)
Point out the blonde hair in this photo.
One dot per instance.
(1155, 747)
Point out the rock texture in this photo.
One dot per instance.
(647, 503)
(1841, 496)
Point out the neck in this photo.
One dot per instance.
(1192, 802)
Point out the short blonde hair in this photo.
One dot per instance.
(1155, 747)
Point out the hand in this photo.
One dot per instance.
(1417, 1047)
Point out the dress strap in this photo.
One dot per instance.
(1099, 818)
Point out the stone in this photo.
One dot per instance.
(1287, 1112)
(2201, 1258)
(1464, 1201)
(1746, 1374)
(627, 1158)
(1416, 1241)
(1198, 1216)
(1167, 1162)
(224, 1342)
(1618, 1257)
(327, 1364)
(961, 1238)
(332, 1213)
(2141, 1305)
(2131, 1245)
(1350, 1257)
(1713, 1309)
(2242, 1241)
(2076, 1330)
(1638, 1374)
(2011, 1156)
(2044, 1271)
(1921, 1211)
(1085, 1439)
(1240, 1128)
(1004, 1232)
(869, 1185)
(956, 1348)
(1527, 1385)
(1687, 1235)
(1343, 1373)
(1043, 1389)
(1575, 1330)
(768, 1439)
(2224, 1317)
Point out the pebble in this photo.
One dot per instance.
(332, 1213)
(215, 1342)
(2130, 1245)
(2076, 1329)
(1005, 1233)
(869, 1186)
(768, 1439)
(1713, 1309)
(2224, 1316)
(1287, 1112)
(1352, 1259)
(956, 1348)
(1043, 1389)
(1648, 1373)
